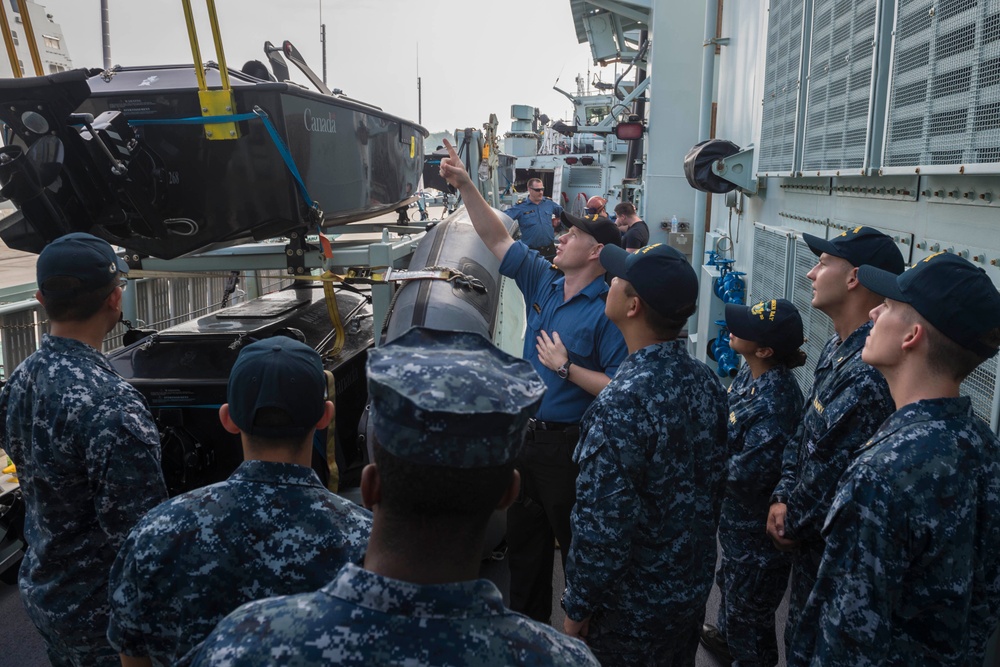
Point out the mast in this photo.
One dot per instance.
(322, 39)
(106, 34)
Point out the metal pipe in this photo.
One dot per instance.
(220, 53)
(322, 41)
(199, 64)
(19, 307)
(704, 130)
(106, 34)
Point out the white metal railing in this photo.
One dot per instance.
(161, 304)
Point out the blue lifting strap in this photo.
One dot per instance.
(258, 113)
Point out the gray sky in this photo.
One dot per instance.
(475, 57)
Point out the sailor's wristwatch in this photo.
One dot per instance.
(563, 371)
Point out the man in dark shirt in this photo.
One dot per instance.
(635, 232)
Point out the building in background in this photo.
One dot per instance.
(48, 34)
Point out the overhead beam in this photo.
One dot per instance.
(639, 11)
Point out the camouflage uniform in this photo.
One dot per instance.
(270, 529)
(88, 457)
(848, 402)
(911, 571)
(764, 415)
(361, 618)
(442, 400)
(652, 469)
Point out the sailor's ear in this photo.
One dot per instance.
(227, 420)
(852, 278)
(510, 495)
(115, 299)
(371, 486)
(328, 413)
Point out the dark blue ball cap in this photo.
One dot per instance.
(279, 373)
(661, 275)
(775, 323)
(90, 260)
(598, 226)
(951, 293)
(860, 246)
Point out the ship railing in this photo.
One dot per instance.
(161, 304)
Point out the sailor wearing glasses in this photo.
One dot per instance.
(537, 216)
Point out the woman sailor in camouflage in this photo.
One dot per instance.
(765, 405)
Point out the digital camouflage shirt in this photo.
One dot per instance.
(88, 458)
(911, 571)
(764, 414)
(361, 618)
(652, 459)
(848, 402)
(270, 529)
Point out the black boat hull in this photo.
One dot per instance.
(183, 192)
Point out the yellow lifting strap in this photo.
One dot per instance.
(331, 436)
(333, 310)
(213, 102)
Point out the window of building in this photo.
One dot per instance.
(16, 6)
(51, 42)
(20, 64)
(54, 68)
(13, 35)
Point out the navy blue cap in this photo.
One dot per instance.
(860, 246)
(451, 399)
(90, 260)
(279, 373)
(660, 274)
(955, 296)
(598, 226)
(775, 324)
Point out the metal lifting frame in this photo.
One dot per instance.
(213, 102)
(29, 35)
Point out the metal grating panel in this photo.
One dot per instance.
(18, 337)
(944, 103)
(771, 256)
(838, 103)
(981, 386)
(781, 86)
(585, 177)
(818, 328)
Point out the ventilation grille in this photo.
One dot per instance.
(839, 97)
(585, 177)
(781, 86)
(981, 387)
(944, 104)
(816, 326)
(771, 256)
